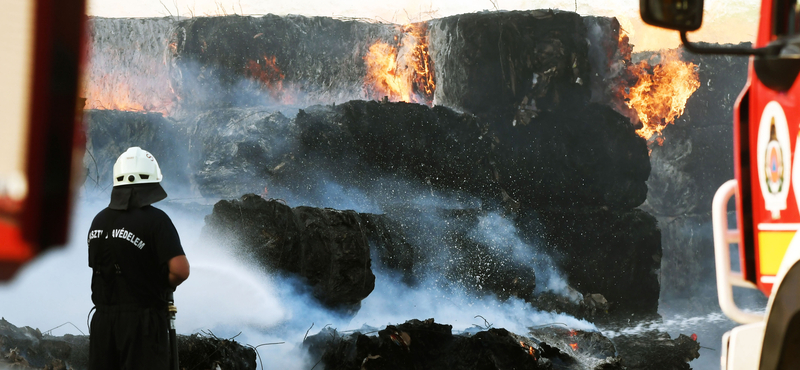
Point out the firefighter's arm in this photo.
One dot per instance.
(178, 270)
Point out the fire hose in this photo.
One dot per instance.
(173, 337)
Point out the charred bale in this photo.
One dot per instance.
(655, 350)
(237, 150)
(109, 133)
(498, 64)
(437, 146)
(326, 248)
(584, 158)
(613, 253)
(271, 60)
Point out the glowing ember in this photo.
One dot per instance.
(266, 71)
(574, 346)
(403, 72)
(659, 97)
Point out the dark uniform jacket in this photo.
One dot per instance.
(129, 251)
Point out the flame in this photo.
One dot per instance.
(111, 81)
(114, 92)
(267, 73)
(528, 348)
(659, 96)
(403, 72)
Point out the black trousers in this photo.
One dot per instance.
(129, 338)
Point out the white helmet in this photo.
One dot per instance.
(136, 166)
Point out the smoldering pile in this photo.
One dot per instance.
(519, 183)
(409, 345)
(425, 344)
(28, 348)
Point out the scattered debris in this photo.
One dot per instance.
(28, 348)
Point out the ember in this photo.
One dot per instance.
(402, 73)
(266, 71)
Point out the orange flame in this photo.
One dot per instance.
(109, 81)
(100, 94)
(267, 73)
(659, 97)
(403, 72)
(528, 348)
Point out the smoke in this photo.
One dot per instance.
(229, 296)
(496, 230)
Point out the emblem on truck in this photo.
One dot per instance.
(774, 158)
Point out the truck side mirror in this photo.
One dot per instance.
(681, 15)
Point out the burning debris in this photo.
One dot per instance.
(421, 344)
(426, 344)
(28, 348)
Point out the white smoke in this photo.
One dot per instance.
(229, 296)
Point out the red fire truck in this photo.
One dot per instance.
(41, 145)
(766, 121)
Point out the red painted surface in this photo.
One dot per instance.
(41, 220)
(747, 115)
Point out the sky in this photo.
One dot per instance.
(730, 21)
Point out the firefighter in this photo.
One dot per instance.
(137, 259)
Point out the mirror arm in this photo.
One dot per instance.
(697, 49)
